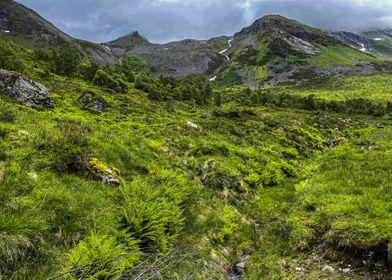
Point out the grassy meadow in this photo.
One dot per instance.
(211, 184)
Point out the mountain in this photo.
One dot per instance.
(273, 48)
(175, 58)
(128, 41)
(278, 49)
(376, 42)
(24, 24)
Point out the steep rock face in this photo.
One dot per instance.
(24, 90)
(171, 59)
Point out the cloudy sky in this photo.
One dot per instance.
(166, 20)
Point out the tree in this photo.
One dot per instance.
(9, 58)
(218, 99)
(65, 60)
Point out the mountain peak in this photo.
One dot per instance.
(128, 41)
(288, 26)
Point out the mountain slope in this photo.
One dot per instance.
(175, 58)
(23, 24)
(278, 49)
(273, 48)
(377, 41)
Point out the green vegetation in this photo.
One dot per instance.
(338, 56)
(340, 213)
(373, 87)
(130, 174)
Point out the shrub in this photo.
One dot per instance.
(9, 57)
(89, 69)
(100, 257)
(64, 145)
(216, 177)
(107, 81)
(19, 236)
(229, 225)
(151, 216)
(65, 60)
(135, 64)
(7, 113)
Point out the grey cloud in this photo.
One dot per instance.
(165, 20)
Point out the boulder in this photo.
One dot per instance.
(91, 101)
(100, 171)
(328, 269)
(24, 91)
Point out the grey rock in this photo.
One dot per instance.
(298, 269)
(24, 91)
(346, 270)
(328, 269)
(89, 100)
(240, 266)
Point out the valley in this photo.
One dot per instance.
(262, 155)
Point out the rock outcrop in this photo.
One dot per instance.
(99, 171)
(90, 101)
(24, 91)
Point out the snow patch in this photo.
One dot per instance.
(363, 49)
(378, 39)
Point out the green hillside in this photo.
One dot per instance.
(124, 175)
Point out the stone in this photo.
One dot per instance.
(23, 133)
(328, 269)
(97, 170)
(24, 90)
(192, 124)
(89, 100)
(346, 270)
(33, 176)
(240, 266)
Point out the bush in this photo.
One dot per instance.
(7, 113)
(100, 257)
(89, 69)
(64, 145)
(19, 236)
(135, 64)
(9, 57)
(152, 216)
(65, 60)
(229, 225)
(107, 81)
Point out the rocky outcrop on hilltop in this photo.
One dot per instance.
(24, 91)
